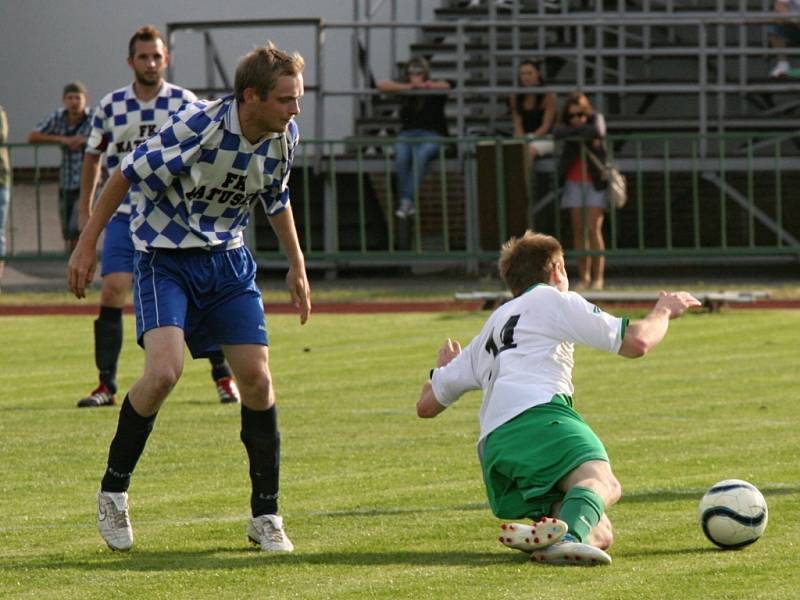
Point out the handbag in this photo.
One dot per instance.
(616, 184)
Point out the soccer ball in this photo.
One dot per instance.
(733, 513)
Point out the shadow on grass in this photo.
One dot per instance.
(671, 495)
(676, 552)
(140, 559)
(373, 512)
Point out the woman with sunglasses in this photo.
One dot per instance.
(583, 187)
(421, 116)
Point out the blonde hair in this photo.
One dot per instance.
(528, 260)
(261, 68)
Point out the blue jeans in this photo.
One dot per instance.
(5, 199)
(789, 32)
(406, 154)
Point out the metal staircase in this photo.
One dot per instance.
(649, 66)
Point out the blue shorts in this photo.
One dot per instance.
(212, 296)
(117, 246)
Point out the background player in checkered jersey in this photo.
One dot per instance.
(538, 456)
(124, 119)
(194, 279)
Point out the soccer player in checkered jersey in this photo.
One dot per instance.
(540, 460)
(194, 279)
(124, 119)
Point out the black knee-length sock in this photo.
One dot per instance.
(126, 448)
(108, 344)
(262, 440)
(219, 368)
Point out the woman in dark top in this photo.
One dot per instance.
(421, 116)
(584, 190)
(533, 113)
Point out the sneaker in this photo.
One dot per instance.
(267, 530)
(781, 69)
(113, 521)
(227, 390)
(532, 537)
(406, 209)
(569, 551)
(101, 396)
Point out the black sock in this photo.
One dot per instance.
(263, 443)
(126, 447)
(108, 345)
(219, 368)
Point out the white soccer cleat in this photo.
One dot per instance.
(528, 538)
(406, 209)
(267, 530)
(569, 551)
(113, 520)
(227, 390)
(781, 69)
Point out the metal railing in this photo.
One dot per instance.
(604, 45)
(32, 223)
(681, 204)
(710, 84)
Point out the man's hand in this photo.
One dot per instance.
(81, 267)
(74, 142)
(676, 303)
(297, 282)
(449, 350)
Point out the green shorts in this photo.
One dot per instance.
(524, 458)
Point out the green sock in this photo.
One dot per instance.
(581, 510)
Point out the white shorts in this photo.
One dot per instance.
(577, 195)
(543, 147)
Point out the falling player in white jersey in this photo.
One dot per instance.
(540, 460)
(124, 119)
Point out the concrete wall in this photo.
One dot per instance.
(47, 43)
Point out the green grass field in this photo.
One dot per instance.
(381, 504)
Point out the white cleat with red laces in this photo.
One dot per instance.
(569, 551)
(528, 538)
(227, 390)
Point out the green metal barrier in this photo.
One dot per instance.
(690, 196)
(27, 234)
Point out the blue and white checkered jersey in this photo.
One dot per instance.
(199, 177)
(122, 122)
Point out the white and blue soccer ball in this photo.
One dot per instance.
(733, 514)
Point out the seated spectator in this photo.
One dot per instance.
(421, 116)
(582, 183)
(68, 126)
(783, 34)
(533, 113)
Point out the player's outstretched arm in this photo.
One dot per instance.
(82, 263)
(296, 278)
(642, 336)
(427, 405)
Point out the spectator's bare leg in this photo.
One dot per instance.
(595, 216)
(579, 243)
